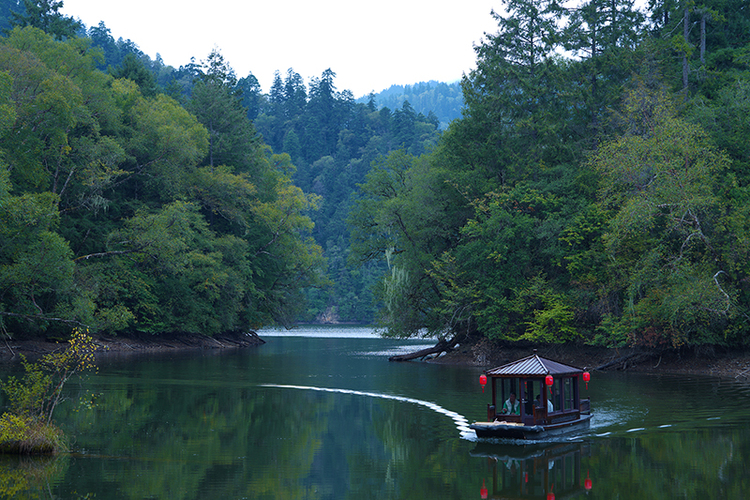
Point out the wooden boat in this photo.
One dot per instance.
(548, 397)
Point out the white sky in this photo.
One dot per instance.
(369, 45)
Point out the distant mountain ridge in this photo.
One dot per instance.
(443, 99)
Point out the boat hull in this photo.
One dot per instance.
(503, 430)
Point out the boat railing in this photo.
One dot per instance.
(493, 415)
(585, 406)
(543, 417)
(540, 415)
(564, 416)
(508, 418)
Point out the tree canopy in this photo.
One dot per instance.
(126, 212)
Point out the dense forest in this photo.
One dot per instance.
(331, 139)
(126, 211)
(593, 189)
(302, 147)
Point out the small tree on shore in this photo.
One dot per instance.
(26, 427)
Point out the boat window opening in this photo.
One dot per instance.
(541, 393)
(531, 394)
(555, 397)
(568, 394)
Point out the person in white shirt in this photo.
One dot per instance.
(511, 405)
(550, 406)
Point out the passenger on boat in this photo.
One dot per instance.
(550, 407)
(511, 405)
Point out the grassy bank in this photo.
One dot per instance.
(27, 436)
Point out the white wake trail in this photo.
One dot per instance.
(461, 423)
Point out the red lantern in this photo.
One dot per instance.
(483, 381)
(587, 484)
(549, 380)
(586, 378)
(550, 496)
(483, 492)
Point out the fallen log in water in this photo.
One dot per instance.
(441, 347)
(632, 358)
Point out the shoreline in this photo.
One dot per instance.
(711, 361)
(708, 360)
(11, 349)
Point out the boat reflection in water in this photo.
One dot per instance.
(542, 470)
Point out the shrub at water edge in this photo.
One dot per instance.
(27, 427)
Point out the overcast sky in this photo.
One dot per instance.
(369, 45)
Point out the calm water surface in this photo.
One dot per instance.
(320, 413)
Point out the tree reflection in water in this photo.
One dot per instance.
(30, 477)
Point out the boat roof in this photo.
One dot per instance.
(533, 366)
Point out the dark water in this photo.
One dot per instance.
(326, 416)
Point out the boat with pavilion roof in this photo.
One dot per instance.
(547, 398)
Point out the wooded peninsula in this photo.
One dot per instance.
(595, 188)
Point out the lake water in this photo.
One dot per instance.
(320, 413)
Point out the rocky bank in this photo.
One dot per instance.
(706, 360)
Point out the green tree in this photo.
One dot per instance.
(515, 122)
(214, 101)
(404, 216)
(658, 183)
(252, 99)
(133, 69)
(45, 15)
(108, 217)
(504, 274)
(27, 426)
(605, 34)
(295, 95)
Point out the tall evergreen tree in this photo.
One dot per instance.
(45, 15)
(133, 69)
(604, 34)
(252, 98)
(214, 101)
(295, 95)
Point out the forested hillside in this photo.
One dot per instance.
(444, 100)
(331, 140)
(594, 189)
(598, 197)
(128, 212)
